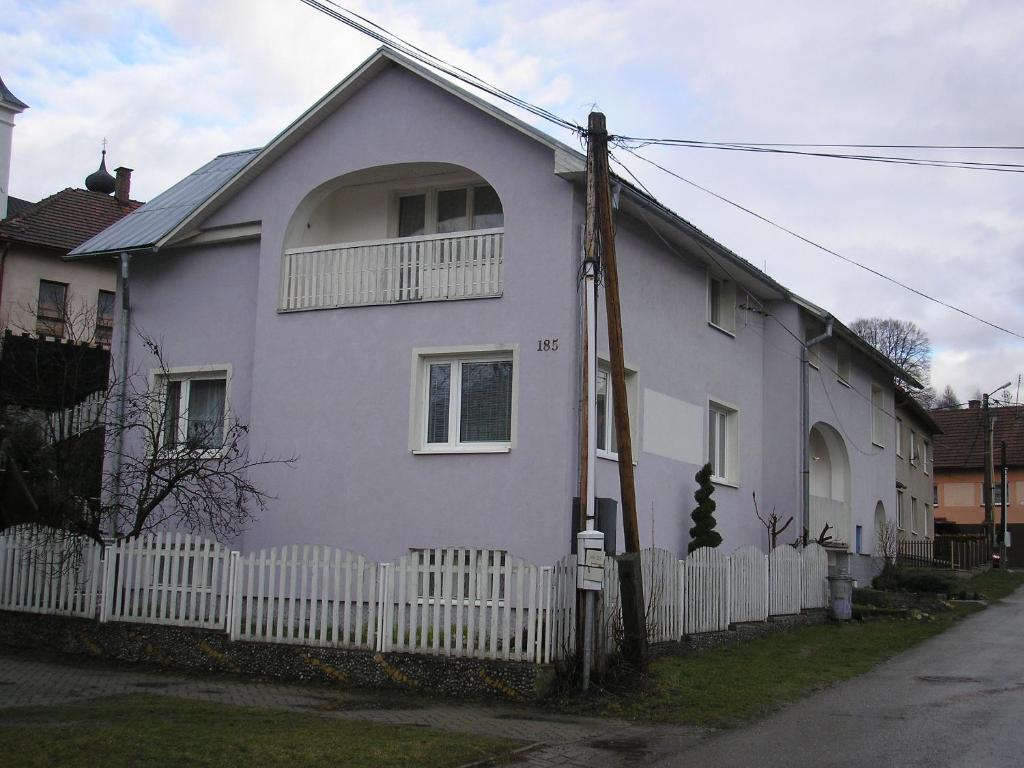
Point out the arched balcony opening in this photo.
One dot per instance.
(830, 484)
(391, 234)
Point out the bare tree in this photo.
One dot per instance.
(168, 463)
(888, 539)
(947, 400)
(901, 341)
(771, 523)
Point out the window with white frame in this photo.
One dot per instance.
(927, 526)
(723, 442)
(440, 211)
(914, 521)
(899, 510)
(604, 423)
(899, 437)
(915, 454)
(843, 363)
(878, 416)
(924, 456)
(935, 495)
(194, 408)
(466, 401)
(722, 303)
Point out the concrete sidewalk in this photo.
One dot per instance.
(34, 680)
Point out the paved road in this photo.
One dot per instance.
(956, 700)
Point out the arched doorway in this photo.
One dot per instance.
(829, 484)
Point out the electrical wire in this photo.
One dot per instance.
(834, 146)
(825, 249)
(971, 165)
(382, 35)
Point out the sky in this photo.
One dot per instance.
(172, 83)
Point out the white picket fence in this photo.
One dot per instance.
(43, 570)
(313, 596)
(166, 578)
(453, 601)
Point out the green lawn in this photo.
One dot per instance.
(725, 687)
(148, 730)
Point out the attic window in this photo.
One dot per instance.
(722, 304)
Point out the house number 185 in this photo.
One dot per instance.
(547, 345)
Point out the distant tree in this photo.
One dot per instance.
(901, 341)
(947, 399)
(977, 395)
(703, 533)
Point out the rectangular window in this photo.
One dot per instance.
(924, 456)
(722, 304)
(723, 442)
(899, 510)
(915, 454)
(935, 495)
(194, 409)
(467, 402)
(858, 539)
(997, 494)
(899, 437)
(604, 423)
(843, 363)
(412, 215)
(913, 515)
(104, 317)
(878, 416)
(443, 211)
(51, 309)
(927, 527)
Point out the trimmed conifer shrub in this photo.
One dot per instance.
(703, 533)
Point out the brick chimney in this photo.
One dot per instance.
(974, 404)
(123, 184)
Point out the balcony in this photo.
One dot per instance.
(458, 265)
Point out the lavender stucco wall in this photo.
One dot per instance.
(333, 386)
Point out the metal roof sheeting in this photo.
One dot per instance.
(146, 226)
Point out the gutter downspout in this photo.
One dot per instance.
(805, 424)
(122, 389)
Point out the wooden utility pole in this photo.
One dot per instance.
(1003, 503)
(986, 491)
(630, 574)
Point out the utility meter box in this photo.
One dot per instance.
(590, 560)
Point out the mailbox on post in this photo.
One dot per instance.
(590, 560)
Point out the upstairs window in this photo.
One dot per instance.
(878, 416)
(843, 363)
(722, 304)
(104, 317)
(51, 309)
(899, 437)
(443, 211)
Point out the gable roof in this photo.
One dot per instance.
(11, 101)
(65, 220)
(962, 442)
(205, 190)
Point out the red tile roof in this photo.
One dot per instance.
(962, 442)
(66, 219)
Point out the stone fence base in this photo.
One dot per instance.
(201, 650)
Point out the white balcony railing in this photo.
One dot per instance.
(835, 513)
(461, 265)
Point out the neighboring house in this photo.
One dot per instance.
(388, 290)
(40, 292)
(916, 438)
(960, 466)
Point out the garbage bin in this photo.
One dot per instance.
(840, 588)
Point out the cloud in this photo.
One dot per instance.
(172, 83)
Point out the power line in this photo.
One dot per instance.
(628, 142)
(382, 35)
(825, 249)
(811, 144)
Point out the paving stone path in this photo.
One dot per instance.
(31, 680)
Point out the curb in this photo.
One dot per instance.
(513, 756)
